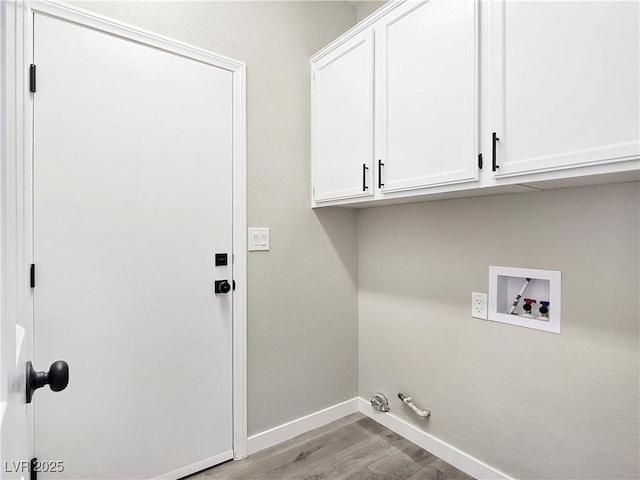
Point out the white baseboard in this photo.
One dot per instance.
(440, 449)
(284, 432)
(196, 467)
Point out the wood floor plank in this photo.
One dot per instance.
(427, 473)
(292, 455)
(394, 466)
(352, 448)
(339, 466)
(320, 449)
(271, 458)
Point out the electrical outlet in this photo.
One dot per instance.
(479, 305)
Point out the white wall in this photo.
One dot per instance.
(302, 307)
(532, 404)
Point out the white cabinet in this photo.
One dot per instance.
(426, 92)
(342, 119)
(477, 97)
(563, 85)
(425, 115)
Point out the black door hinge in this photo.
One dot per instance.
(32, 276)
(32, 78)
(480, 161)
(33, 471)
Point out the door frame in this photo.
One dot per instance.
(16, 192)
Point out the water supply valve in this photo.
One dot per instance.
(544, 310)
(527, 306)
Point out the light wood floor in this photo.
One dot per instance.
(354, 448)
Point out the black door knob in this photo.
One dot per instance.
(57, 378)
(222, 286)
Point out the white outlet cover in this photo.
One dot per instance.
(479, 305)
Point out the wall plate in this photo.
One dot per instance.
(258, 239)
(479, 305)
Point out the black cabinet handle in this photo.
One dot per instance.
(380, 165)
(493, 152)
(364, 177)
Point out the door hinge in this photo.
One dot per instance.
(33, 471)
(32, 276)
(480, 161)
(32, 78)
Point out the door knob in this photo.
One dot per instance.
(222, 286)
(57, 378)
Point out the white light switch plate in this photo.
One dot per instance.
(258, 239)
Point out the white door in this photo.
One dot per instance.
(15, 329)
(132, 200)
(342, 152)
(564, 84)
(427, 94)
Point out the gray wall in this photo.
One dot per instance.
(532, 404)
(302, 312)
(367, 7)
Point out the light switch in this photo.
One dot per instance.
(258, 239)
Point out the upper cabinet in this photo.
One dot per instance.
(440, 98)
(563, 84)
(342, 119)
(426, 95)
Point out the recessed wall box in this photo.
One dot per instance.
(509, 288)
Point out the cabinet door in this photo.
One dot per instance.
(427, 94)
(342, 121)
(563, 84)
